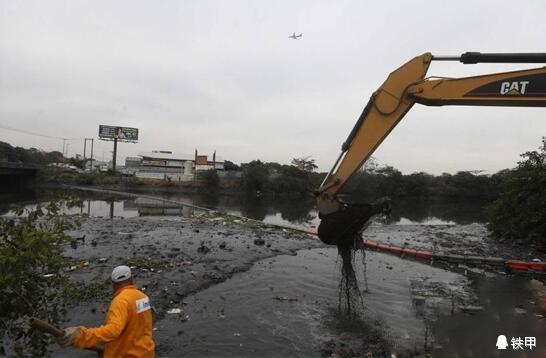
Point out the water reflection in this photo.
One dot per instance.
(287, 211)
(443, 211)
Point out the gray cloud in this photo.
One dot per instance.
(223, 75)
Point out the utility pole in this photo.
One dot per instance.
(64, 143)
(115, 154)
(85, 153)
(91, 154)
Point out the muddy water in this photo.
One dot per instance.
(284, 306)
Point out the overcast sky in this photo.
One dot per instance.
(224, 75)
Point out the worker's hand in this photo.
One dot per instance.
(69, 335)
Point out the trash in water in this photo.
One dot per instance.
(203, 249)
(174, 311)
(471, 309)
(285, 298)
(259, 242)
(77, 266)
(221, 313)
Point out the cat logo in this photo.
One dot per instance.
(513, 88)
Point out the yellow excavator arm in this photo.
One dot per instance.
(387, 106)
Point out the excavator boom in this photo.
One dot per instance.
(387, 106)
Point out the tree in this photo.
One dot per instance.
(370, 166)
(520, 211)
(255, 176)
(230, 166)
(291, 180)
(305, 164)
(209, 178)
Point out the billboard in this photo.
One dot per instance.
(120, 133)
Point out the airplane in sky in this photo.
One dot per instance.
(294, 36)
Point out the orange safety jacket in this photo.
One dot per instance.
(128, 328)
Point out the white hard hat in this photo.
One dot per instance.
(121, 273)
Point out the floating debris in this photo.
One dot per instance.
(125, 235)
(259, 242)
(203, 249)
(285, 298)
(471, 309)
(77, 266)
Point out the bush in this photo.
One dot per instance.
(210, 179)
(32, 280)
(520, 211)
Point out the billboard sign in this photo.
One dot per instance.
(120, 133)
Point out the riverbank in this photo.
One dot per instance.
(282, 289)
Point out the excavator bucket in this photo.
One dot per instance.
(341, 228)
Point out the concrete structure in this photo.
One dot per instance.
(133, 162)
(15, 175)
(166, 165)
(97, 165)
(132, 165)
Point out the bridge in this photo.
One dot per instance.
(15, 175)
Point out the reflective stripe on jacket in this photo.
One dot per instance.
(128, 328)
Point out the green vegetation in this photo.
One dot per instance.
(31, 156)
(209, 179)
(277, 179)
(388, 181)
(520, 211)
(32, 281)
(61, 176)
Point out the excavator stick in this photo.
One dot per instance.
(341, 222)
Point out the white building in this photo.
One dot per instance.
(166, 165)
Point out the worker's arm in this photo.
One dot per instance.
(115, 324)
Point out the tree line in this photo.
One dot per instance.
(517, 197)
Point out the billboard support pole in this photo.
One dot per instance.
(84, 150)
(115, 154)
(92, 154)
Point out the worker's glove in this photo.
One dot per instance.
(69, 335)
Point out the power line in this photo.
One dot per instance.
(36, 134)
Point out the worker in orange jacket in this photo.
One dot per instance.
(128, 328)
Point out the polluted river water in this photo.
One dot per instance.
(282, 300)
